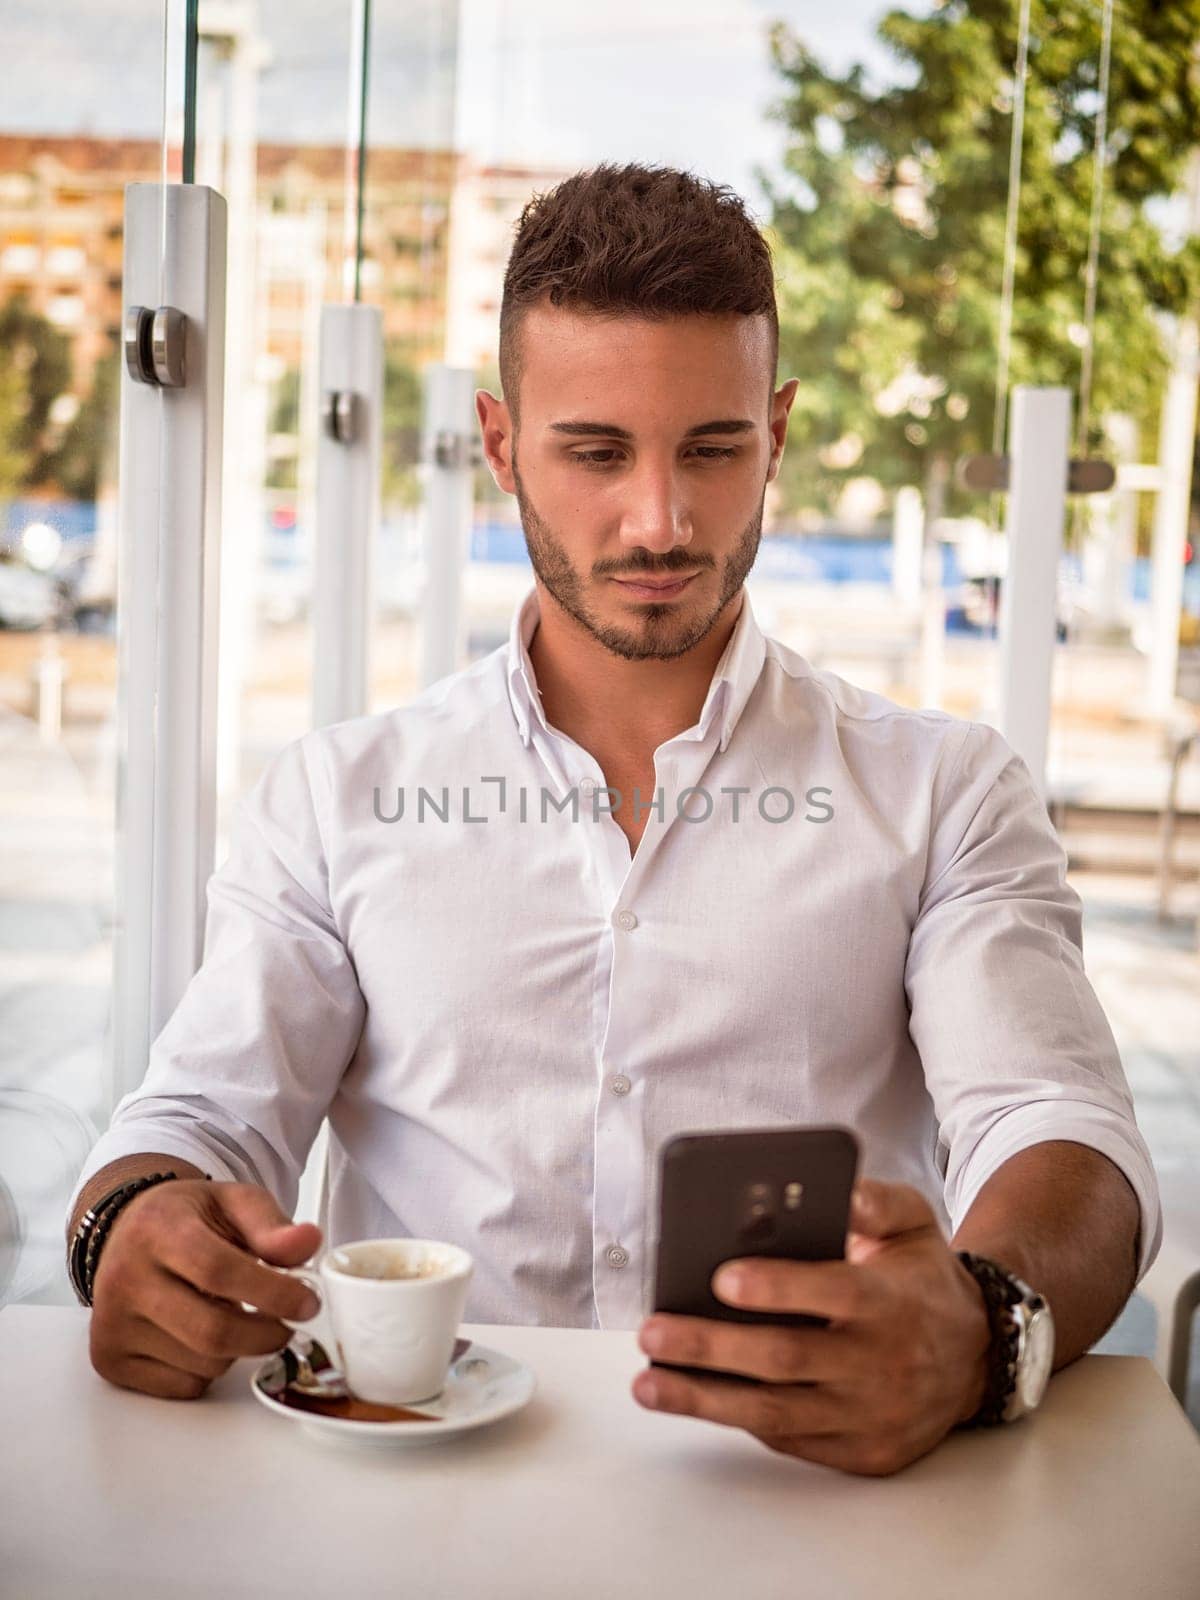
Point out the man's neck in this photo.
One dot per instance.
(608, 704)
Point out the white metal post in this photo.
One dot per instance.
(309, 263)
(448, 454)
(908, 535)
(1039, 452)
(169, 516)
(348, 498)
(229, 28)
(1114, 549)
(931, 650)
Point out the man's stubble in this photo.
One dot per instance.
(660, 635)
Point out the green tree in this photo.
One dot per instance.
(402, 403)
(284, 423)
(889, 232)
(14, 460)
(86, 459)
(35, 369)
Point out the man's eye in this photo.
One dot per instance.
(597, 458)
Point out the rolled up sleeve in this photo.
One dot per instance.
(243, 1072)
(1015, 1047)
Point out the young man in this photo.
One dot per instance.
(643, 870)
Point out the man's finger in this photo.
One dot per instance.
(159, 1345)
(259, 1223)
(767, 1410)
(881, 1210)
(206, 1323)
(216, 1267)
(773, 1354)
(842, 1290)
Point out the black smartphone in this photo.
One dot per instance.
(780, 1192)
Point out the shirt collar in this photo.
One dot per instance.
(732, 682)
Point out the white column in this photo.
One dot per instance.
(348, 495)
(908, 534)
(230, 31)
(1177, 437)
(1113, 548)
(168, 571)
(1039, 451)
(310, 267)
(447, 455)
(932, 651)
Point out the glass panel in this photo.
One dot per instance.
(415, 170)
(892, 242)
(64, 161)
(271, 128)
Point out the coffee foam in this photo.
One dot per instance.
(384, 1264)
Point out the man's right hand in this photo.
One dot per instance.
(179, 1259)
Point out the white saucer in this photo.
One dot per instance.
(482, 1386)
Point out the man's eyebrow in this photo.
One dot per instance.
(610, 430)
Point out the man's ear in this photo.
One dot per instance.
(495, 428)
(781, 404)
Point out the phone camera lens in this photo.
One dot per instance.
(758, 1217)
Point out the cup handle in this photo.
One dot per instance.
(320, 1325)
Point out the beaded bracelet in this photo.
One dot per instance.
(90, 1245)
(77, 1257)
(998, 1294)
(95, 1227)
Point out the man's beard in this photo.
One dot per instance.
(663, 630)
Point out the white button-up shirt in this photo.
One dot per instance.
(430, 929)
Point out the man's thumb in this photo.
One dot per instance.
(266, 1228)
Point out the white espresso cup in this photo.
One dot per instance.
(390, 1312)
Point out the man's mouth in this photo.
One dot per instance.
(655, 588)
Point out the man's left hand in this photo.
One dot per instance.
(902, 1361)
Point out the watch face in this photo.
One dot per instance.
(1037, 1358)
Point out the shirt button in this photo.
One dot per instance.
(587, 785)
(620, 1084)
(626, 920)
(615, 1256)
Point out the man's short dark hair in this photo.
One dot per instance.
(647, 241)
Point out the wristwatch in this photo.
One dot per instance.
(1021, 1356)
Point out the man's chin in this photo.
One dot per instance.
(657, 639)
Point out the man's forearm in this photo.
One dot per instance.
(1065, 1218)
(122, 1171)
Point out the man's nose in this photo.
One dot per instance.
(657, 514)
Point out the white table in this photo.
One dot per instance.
(104, 1492)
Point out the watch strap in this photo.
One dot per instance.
(1001, 1291)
